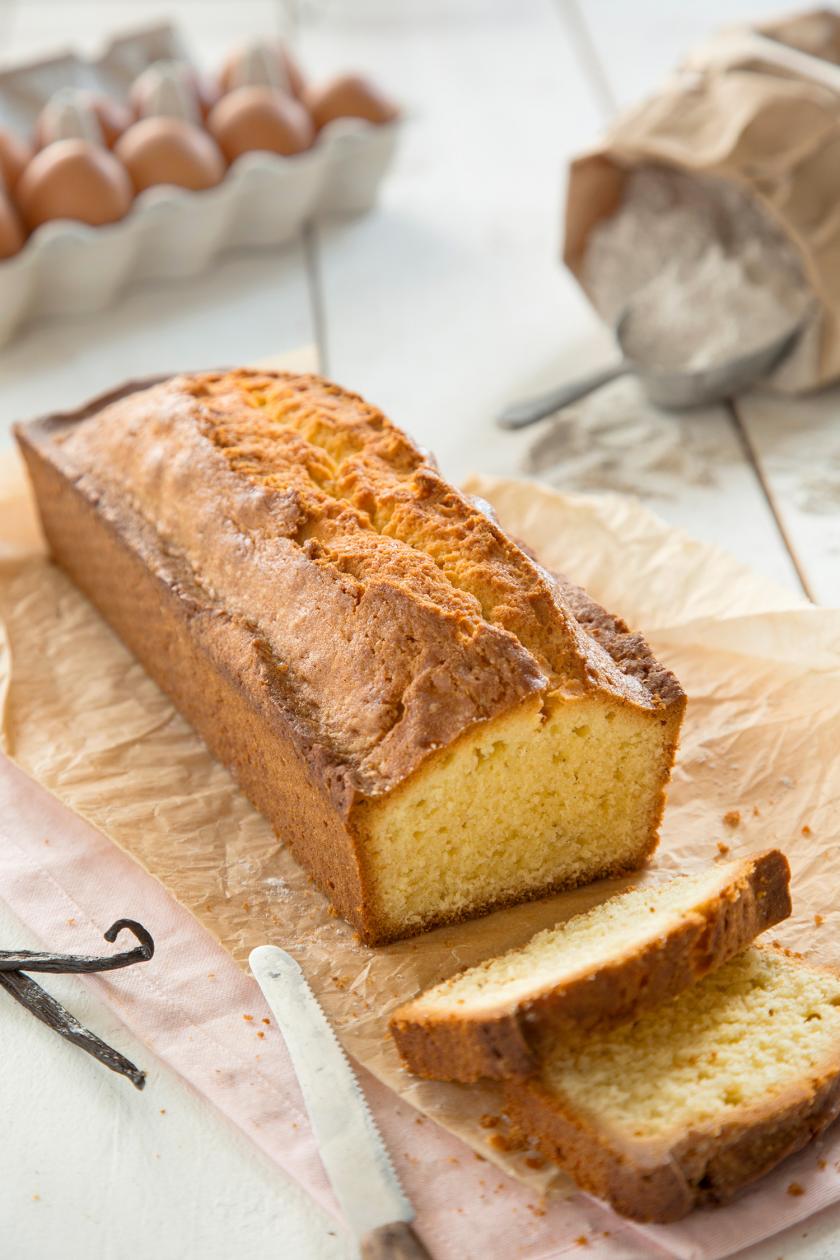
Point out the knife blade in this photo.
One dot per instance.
(352, 1151)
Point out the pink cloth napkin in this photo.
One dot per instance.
(67, 882)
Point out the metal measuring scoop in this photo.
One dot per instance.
(696, 387)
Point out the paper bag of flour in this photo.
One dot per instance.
(743, 142)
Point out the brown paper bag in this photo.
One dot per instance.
(762, 114)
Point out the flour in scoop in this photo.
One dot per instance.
(708, 276)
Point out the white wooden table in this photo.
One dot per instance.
(441, 306)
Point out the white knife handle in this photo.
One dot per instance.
(393, 1242)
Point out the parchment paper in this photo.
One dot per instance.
(761, 668)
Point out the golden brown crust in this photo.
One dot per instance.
(315, 725)
(663, 1182)
(212, 668)
(505, 1042)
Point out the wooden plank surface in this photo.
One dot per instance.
(249, 306)
(449, 300)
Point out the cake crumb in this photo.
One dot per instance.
(795, 1189)
(163, 1111)
(36, 1198)
(806, 830)
(535, 1161)
(247, 1018)
(479, 1157)
(732, 817)
(266, 1020)
(505, 1142)
(818, 920)
(488, 1121)
(536, 1209)
(822, 1163)
(722, 848)
(260, 1033)
(582, 1240)
(756, 812)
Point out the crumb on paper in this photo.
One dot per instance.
(266, 1020)
(260, 1033)
(211, 975)
(795, 1189)
(756, 812)
(806, 830)
(732, 817)
(247, 1018)
(536, 1209)
(582, 1240)
(818, 920)
(418, 1119)
(488, 1121)
(71, 922)
(163, 1111)
(36, 1198)
(479, 1157)
(505, 1142)
(722, 848)
(822, 1163)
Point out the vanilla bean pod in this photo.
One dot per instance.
(52, 1013)
(35, 960)
(45, 1007)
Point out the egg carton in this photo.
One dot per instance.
(264, 199)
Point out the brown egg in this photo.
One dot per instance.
(76, 113)
(170, 151)
(348, 96)
(73, 179)
(260, 118)
(14, 154)
(262, 63)
(173, 89)
(11, 230)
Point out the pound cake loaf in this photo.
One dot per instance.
(595, 971)
(699, 1096)
(432, 722)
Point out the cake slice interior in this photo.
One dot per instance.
(697, 1097)
(593, 971)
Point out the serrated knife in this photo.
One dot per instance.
(358, 1165)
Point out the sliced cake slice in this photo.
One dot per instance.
(594, 971)
(697, 1097)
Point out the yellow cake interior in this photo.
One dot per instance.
(740, 1037)
(624, 924)
(549, 795)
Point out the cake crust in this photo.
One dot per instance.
(450, 655)
(504, 1042)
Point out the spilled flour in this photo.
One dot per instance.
(708, 275)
